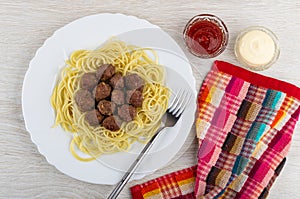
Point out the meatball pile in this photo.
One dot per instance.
(108, 98)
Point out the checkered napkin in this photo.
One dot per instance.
(244, 125)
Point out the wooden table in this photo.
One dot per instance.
(24, 26)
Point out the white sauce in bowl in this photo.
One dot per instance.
(257, 48)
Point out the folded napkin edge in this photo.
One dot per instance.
(257, 79)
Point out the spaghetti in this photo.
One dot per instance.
(98, 140)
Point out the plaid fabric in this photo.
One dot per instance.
(179, 184)
(244, 126)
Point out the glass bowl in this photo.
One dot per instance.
(206, 35)
(257, 48)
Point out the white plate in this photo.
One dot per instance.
(88, 33)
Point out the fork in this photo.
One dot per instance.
(172, 115)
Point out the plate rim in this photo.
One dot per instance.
(30, 68)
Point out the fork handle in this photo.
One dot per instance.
(116, 191)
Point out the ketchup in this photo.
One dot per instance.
(206, 36)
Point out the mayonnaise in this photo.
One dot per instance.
(257, 48)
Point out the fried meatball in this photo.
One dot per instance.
(118, 97)
(134, 97)
(117, 81)
(106, 107)
(112, 123)
(127, 112)
(88, 81)
(128, 95)
(101, 91)
(141, 89)
(105, 72)
(84, 100)
(94, 117)
(133, 81)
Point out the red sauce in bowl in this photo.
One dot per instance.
(206, 36)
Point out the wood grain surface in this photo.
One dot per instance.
(24, 26)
